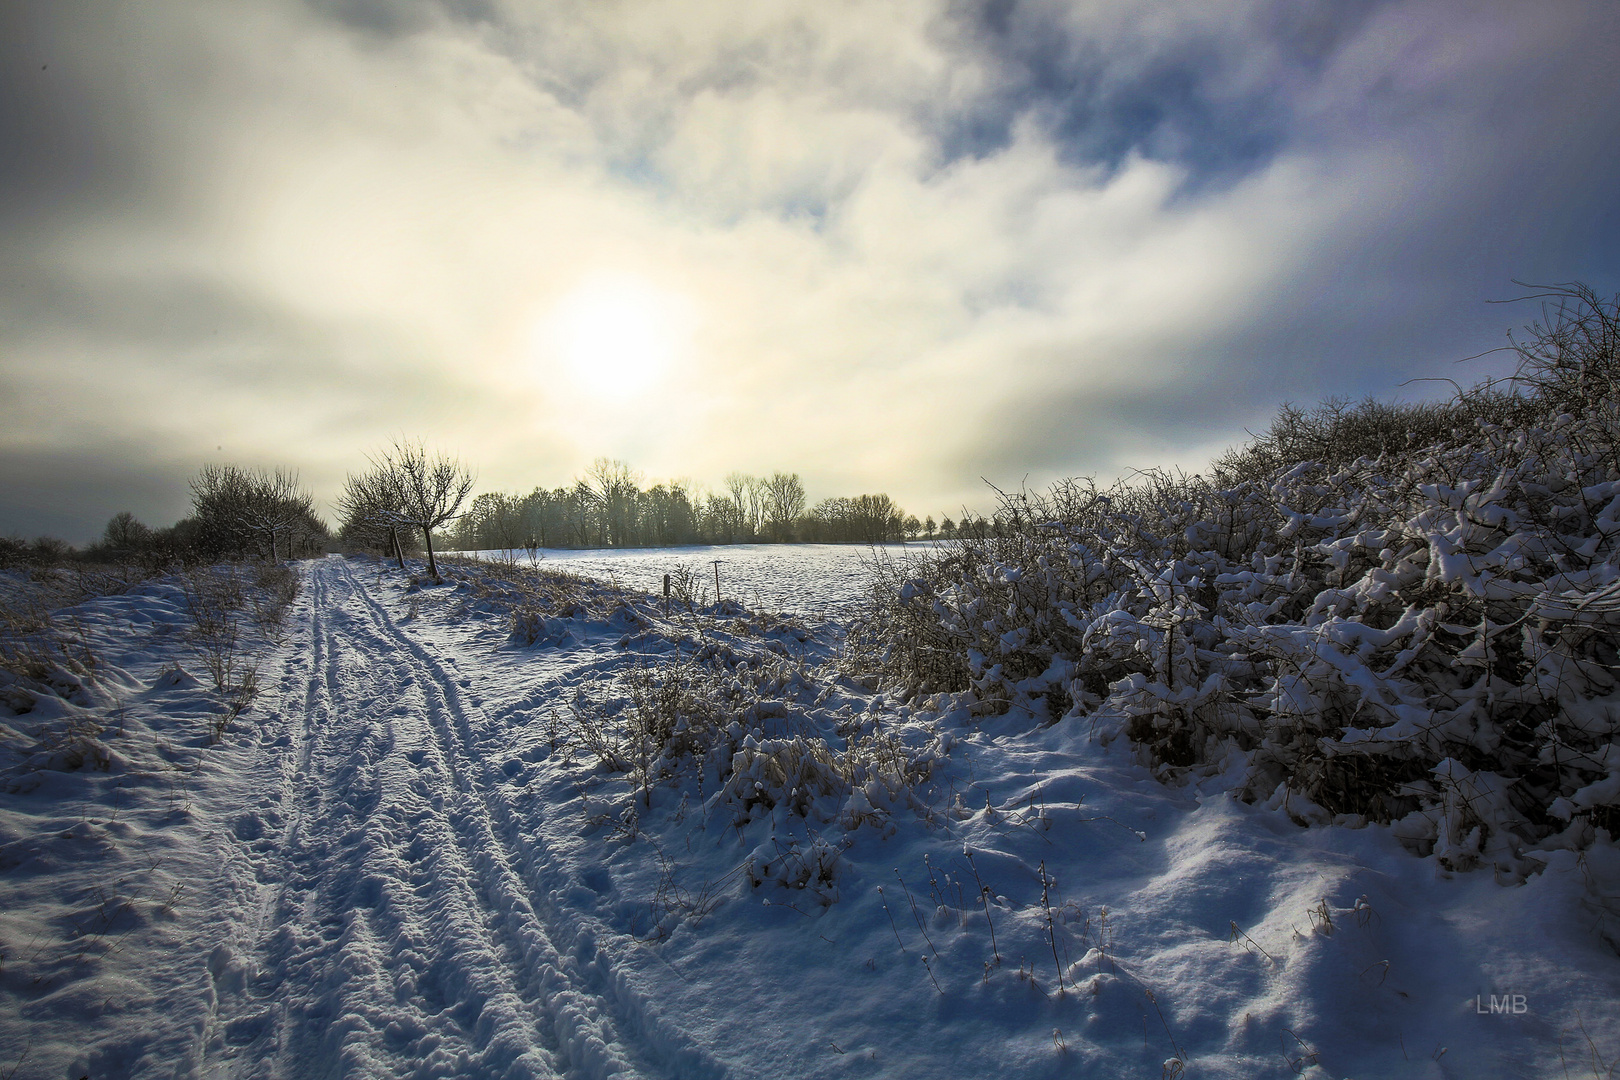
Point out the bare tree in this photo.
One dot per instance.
(218, 495)
(239, 507)
(494, 520)
(426, 492)
(757, 496)
(278, 506)
(784, 502)
(370, 515)
(310, 533)
(125, 533)
(738, 485)
(723, 519)
(581, 512)
(617, 487)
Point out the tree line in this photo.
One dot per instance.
(409, 500)
(609, 507)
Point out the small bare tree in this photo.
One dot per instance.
(125, 533)
(369, 514)
(425, 492)
(278, 507)
(784, 502)
(240, 507)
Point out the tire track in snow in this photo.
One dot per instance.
(474, 978)
(603, 1023)
(246, 982)
(255, 864)
(371, 955)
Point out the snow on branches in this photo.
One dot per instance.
(1427, 637)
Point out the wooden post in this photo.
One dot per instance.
(717, 581)
(666, 594)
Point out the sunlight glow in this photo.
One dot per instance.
(617, 335)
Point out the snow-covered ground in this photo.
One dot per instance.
(806, 579)
(405, 860)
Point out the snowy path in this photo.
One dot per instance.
(405, 928)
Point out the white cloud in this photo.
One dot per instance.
(342, 235)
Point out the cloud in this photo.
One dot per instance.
(918, 242)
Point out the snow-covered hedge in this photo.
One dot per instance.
(1425, 637)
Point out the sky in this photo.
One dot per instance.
(907, 246)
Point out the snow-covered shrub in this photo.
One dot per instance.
(218, 599)
(805, 776)
(691, 718)
(1427, 635)
(42, 650)
(50, 678)
(68, 744)
(41, 654)
(528, 628)
(215, 597)
(275, 587)
(537, 598)
(861, 780)
(739, 728)
(810, 867)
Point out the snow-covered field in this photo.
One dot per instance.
(805, 579)
(407, 858)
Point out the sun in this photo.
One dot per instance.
(617, 335)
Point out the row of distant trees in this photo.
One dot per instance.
(408, 500)
(608, 507)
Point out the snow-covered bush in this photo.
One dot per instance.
(275, 587)
(217, 599)
(41, 654)
(54, 705)
(739, 728)
(44, 650)
(1426, 636)
(539, 602)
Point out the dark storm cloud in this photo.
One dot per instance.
(1212, 94)
(70, 493)
(64, 138)
(1224, 389)
(395, 18)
